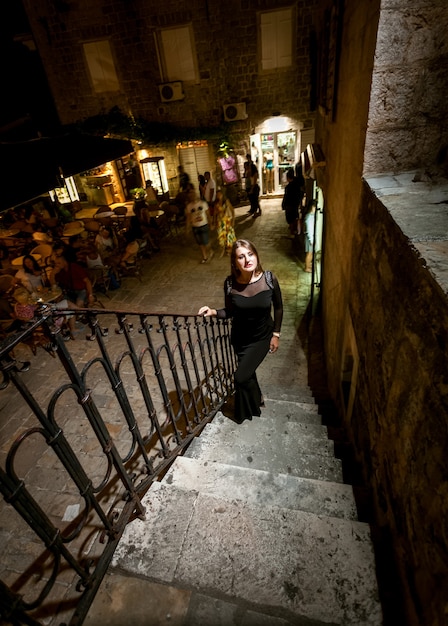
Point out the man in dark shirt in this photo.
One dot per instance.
(73, 280)
(291, 202)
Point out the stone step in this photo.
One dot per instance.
(301, 395)
(279, 454)
(263, 488)
(276, 423)
(311, 567)
(269, 433)
(292, 411)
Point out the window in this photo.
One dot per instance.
(276, 39)
(177, 54)
(101, 66)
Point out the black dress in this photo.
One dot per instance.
(250, 306)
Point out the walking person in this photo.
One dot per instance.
(254, 199)
(250, 173)
(225, 220)
(291, 203)
(198, 221)
(210, 197)
(250, 296)
(309, 220)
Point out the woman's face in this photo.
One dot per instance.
(28, 264)
(245, 259)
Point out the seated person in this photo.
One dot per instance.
(24, 310)
(105, 242)
(9, 322)
(129, 256)
(30, 276)
(73, 280)
(93, 258)
(140, 228)
(61, 248)
(77, 249)
(151, 196)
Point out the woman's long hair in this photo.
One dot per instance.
(36, 266)
(243, 243)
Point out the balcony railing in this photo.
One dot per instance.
(104, 420)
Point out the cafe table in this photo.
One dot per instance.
(129, 206)
(86, 213)
(6, 233)
(46, 295)
(156, 214)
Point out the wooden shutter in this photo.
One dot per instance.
(276, 39)
(101, 66)
(178, 54)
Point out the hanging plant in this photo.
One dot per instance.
(116, 124)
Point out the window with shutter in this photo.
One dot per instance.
(101, 66)
(276, 39)
(177, 54)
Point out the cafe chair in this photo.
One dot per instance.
(7, 283)
(100, 279)
(172, 214)
(51, 222)
(132, 267)
(121, 218)
(45, 251)
(103, 209)
(92, 227)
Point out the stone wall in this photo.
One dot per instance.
(227, 45)
(385, 324)
(400, 415)
(408, 116)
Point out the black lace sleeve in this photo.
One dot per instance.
(227, 311)
(277, 303)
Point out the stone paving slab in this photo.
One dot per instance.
(283, 458)
(239, 551)
(172, 281)
(280, 415)
(260, 487)
(267, 433)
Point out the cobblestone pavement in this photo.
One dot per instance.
(173, 281)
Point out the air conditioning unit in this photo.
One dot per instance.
(169, 92)
(234, 112)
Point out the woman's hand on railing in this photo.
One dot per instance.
(206, 311)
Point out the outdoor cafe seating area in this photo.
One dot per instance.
(109, 241)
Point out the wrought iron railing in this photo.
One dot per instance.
(108, 418)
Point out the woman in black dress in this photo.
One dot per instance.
(250, 295)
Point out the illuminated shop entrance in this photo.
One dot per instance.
(273, 153)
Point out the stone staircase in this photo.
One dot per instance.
(257, 521)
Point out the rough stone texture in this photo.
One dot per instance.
(122, 595)
(291, 457)
(407, 100)
(385, 277)
(262, 487)
(219, 29)
(405, 402)
(235, 549)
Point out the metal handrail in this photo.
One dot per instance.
(141, 394)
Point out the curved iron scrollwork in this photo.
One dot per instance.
(119, 409)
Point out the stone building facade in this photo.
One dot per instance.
(228, 66)
(372, 92)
